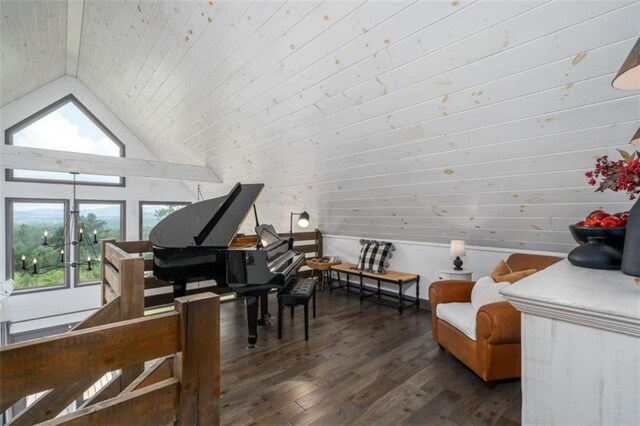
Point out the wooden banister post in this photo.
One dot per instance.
(103, 264)
(131, 288)
(198, 365)
(131, 304)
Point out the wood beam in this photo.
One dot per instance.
(75, 12)
(18, 157)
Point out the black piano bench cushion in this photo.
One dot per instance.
(374, 256)
(297, 292)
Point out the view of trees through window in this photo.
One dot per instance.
(151, 214)
(106, 220)
(30, 220)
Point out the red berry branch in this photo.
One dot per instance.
(621, 175)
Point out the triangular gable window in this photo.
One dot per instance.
(66, 125)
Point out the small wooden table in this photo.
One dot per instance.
(392, 277)
(317, 265)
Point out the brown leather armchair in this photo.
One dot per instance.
(495, 354)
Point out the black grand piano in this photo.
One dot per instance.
(192, 244)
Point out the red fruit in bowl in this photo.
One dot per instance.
(592, 222)
(598, 214)
(611, 222)
(581, 223)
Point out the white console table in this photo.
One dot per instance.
(580, 346)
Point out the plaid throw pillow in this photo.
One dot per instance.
(374, 256)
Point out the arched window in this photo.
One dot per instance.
(65, 125)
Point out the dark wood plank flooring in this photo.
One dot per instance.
(363, 364)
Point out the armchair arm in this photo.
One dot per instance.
(450, 291)
(447, 292)
(498, 323)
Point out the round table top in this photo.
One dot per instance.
(455, 272)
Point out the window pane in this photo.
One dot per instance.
(30, 221)
(154, 213)
(106, 220)
(66, 128)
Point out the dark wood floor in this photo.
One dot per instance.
(363, 364)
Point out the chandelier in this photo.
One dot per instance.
(77, 236)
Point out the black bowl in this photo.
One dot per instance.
(613, 237)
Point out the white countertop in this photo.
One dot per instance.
(604, 299)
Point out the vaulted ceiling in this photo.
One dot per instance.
(414, 120)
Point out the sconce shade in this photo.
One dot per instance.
(457, 248)
(635, 140)
(628, 77)
(303, 221)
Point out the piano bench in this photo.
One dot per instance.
(297, 292)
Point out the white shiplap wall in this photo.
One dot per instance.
(410, 120)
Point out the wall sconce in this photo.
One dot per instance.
(457, 249)
(303, 222)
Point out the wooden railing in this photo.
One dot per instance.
(182, 385)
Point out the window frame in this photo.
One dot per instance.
(141, 204)
(9, 132)
(9, 228)
(123, 233)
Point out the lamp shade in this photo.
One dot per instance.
(303, 221)
(635, 140)
(457, 248)
(628, 78)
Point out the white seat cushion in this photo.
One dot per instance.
(460, 315)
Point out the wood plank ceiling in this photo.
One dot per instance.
(414, 120)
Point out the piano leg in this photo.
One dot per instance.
(251, 303)
(264, 310)
(179, 288)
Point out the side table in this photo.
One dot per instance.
(324, 267)
(452, 274)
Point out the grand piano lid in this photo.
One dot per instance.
(208, 223)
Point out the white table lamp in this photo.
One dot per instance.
(457, 249)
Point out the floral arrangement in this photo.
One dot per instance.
(621, 175)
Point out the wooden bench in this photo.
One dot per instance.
(392, 277)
